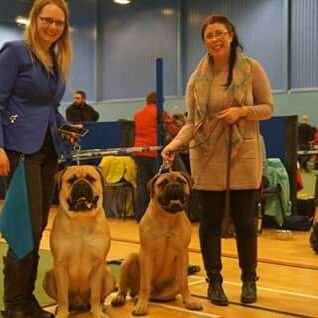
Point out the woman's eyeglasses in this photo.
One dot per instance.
(50, 21)
(218, 35)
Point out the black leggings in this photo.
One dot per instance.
(242, 207)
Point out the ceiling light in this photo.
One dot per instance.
(122, 1)
(22, 20)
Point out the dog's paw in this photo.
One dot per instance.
(118, 300)
(141, 309)
(193, 306)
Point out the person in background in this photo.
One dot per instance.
(146, 130)
(305, 136)
(79, 111)
(179, 119)
(228, 91)
(145, 135)
(32, 84)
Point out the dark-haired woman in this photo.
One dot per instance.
(227, 89)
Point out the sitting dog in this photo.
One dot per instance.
(80, 241)
(159, 271)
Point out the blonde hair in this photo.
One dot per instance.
(62, 46)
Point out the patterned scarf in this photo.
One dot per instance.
(203, 77)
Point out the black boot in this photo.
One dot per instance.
(15, 272)
(216, 293)
(249, 295)
(32, 307)
(247, 251)
(211, 254)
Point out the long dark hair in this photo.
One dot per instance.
(235, 45)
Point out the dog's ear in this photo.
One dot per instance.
(188, 178)
(150, 184)
(102, 178)
(58, 178)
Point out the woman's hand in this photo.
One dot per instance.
(232, 114)
(169, 152)
(4, 163)
(168, 156)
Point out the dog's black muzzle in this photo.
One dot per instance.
(173, 197)
(82, 197)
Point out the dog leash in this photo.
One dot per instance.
(165, 168)
(78, 154)
(227, 227)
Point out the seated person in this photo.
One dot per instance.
(79, 111)
(305, 136)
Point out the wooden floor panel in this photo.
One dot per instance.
(287, 287)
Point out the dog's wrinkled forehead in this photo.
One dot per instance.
(173, 176)
(73, 173)
(80, 172)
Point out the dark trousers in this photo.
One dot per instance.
(242, 204)
(303, 159)
(20, 275)
(146, 169)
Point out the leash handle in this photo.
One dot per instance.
(77, 150)
(165, 167)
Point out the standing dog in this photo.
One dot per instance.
(80, 241)
(159, 271)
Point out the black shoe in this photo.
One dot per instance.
(216, 294)
(248, 295)
(13, 313)
(34, 310)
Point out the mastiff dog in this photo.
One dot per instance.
(79, 241)
(159, 271)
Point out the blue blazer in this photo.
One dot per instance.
(29, 100)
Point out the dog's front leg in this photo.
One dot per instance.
(97, 281)
(146, 268)
(62, 286)
(182, 276)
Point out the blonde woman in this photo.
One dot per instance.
(32, 84)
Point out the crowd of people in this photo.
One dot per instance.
(227, 96)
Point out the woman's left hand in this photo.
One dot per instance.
(232, 114)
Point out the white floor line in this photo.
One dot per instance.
(197, 282)
(192, 312)
(279, 291)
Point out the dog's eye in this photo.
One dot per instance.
(90, 178)
(72, 180)
(180, 180)
(163, 183)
